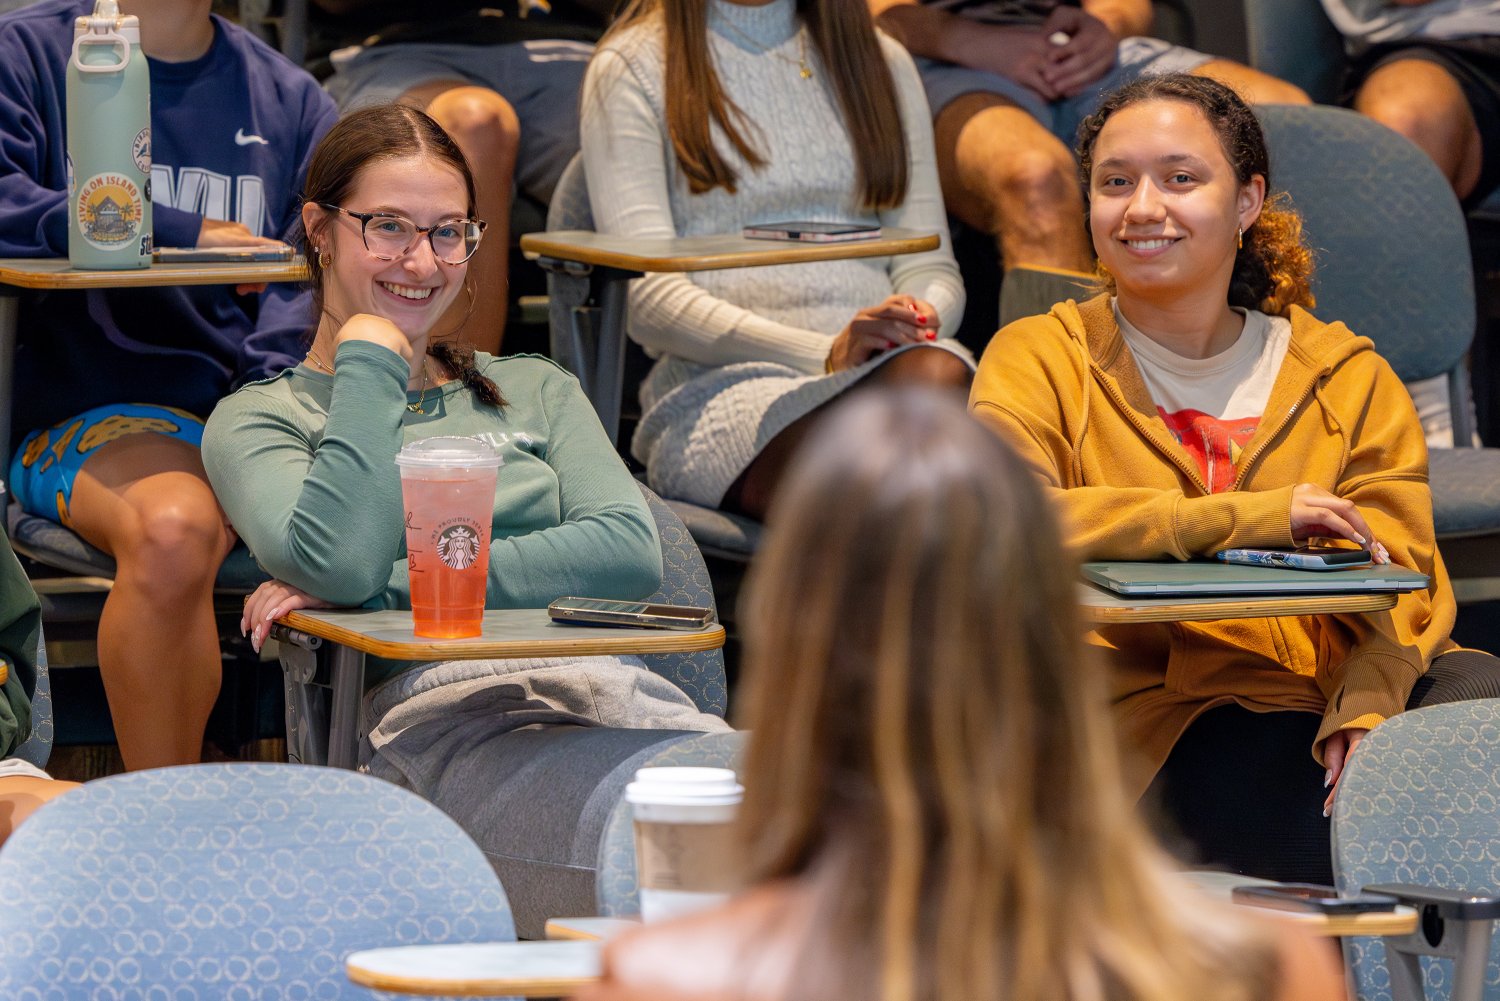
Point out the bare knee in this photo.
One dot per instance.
(1420, 122)
(176, 543)
(478, 119)
(934, 367)
(1252, 85)
(1038, 181)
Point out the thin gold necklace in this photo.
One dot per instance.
(415, 408)
(800, 62)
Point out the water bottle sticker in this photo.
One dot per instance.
(140, 150)
(110, 207)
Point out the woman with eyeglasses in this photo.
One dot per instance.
(304, 463)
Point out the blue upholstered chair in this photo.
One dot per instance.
(1393, 263)
(1295, 40)
(228, 881)
(37, 748)
(588, 339)
(1419, 807)
(542, 819)
(615, 880)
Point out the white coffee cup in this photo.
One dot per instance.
(683, 846)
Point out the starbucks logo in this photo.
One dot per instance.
(458, 546)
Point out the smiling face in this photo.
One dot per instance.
(1165, 205)
(413, 290)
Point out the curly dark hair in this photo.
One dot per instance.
(1273, 269)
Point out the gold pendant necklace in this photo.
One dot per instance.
(416, 408)
(800, 62)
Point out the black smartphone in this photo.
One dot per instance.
(603, 612)
(812, 232)
(223, 255)
(1310, 897)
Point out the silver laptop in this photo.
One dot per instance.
(1210, 577)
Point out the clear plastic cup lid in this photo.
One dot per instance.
(685, 786)
(447, 452)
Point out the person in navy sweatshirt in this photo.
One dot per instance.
(112, 385)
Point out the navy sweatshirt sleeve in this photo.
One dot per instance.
(232, 133)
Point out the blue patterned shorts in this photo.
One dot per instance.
(44, 467)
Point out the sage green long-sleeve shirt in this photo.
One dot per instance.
(304, 465)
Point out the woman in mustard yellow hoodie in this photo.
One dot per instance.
(1197, 406)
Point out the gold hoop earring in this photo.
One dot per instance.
(1239, 237)
(325, 260)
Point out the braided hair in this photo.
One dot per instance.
(458, 356)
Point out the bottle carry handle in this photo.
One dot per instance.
(112, 38)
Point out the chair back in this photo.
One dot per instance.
(569, 209)
(1388, 237)
(684, 581)
(1420, 804)
(1295, 41)
(615, 882)
(222, 881)
(37, 748)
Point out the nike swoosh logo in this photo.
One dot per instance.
(240, 139)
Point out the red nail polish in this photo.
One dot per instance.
(921, 318)
(932, 335)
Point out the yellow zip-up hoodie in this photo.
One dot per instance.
(1064, 390)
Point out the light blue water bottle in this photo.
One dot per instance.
(109, 142)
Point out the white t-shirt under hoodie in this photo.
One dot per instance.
(1212, 406)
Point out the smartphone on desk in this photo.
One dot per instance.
(1305, 558)
(1311, 898)
(812, 232)
(223, 255)
(603, 612)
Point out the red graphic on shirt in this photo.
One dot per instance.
(1214, 444)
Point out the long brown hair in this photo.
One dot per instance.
(1273, 268)
(931, 750)
(366, 136)
(843, 35)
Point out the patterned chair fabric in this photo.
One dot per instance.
(615, 880)
(684, 581)
(1420, 804)
(1392, 250)
(1393, 264)
(1465, 491)
(37, 748)
(232, 881)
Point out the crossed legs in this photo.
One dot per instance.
(145, 500)
(751, 492)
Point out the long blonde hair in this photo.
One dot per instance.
(931, 748)
(842, 34)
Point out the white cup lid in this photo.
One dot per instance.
(449, 451)
(685, 786)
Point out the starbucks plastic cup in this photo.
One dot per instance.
(448, 491)
(683, 850)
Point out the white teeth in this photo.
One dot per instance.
(1149, 244)
(405, 292)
